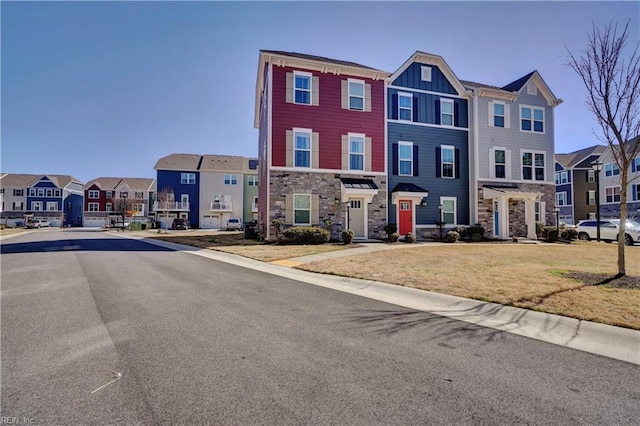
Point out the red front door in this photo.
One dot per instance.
(406, 217)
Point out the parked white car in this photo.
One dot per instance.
(234, 224)
(609, 230)
(39, 224)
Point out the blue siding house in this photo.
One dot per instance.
(178, 188)
(428, 146)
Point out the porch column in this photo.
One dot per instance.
(530, 218)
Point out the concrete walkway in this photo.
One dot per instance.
(613, 342)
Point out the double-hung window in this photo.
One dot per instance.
(611, 169)
(93, 207)
(32, 192)
(302, 149)
(139, 195)
(36, 205)
(56, 192)
(561, 178)
(612, 194)
(561, 198)
(405, 106)
(498, 114)
(446, 112)
(40, 192)
(302, 209)
(18, 192)
(188, 178)
(49, 192)
(448, 161)
(448, 210)
(531, 119)
(94, 194)
(533, 166)
(252, 180)
(405, 158)
(356, 152)
(302, 88)
(356, 94)
(230, 179)
(500, 163)
(109, 194)
(109, 207)
(591, 197)
(52, 206)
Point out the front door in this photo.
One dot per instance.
(356, 217)
(406, 217)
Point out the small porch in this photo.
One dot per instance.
(503, 214)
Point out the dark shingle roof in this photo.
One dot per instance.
(515, 86)
(408, 187)
(317, 58)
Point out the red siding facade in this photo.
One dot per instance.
(327, 118)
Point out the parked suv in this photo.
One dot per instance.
(234, 224)
(38, 224)
(179, 224)
(609, 230)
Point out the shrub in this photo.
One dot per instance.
(569, 234)
(462, 231)
(475, 229)
(550, 233)
(347, 236)
(391, 228)
(306, 235)
(409, 238)
(539, 229)
(452, 237)
(476, 238)
(393, 237)
(278, 224)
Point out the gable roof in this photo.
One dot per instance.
(179, 162)
(215, 163)
(21, 180)
(515, 86)
(435, 60)
(512, 90)
(104, 183)
(574, 159)
(315, 58)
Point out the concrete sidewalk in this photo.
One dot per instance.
(613, 342)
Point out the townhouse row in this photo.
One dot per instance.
(361, 147)
(590, 177)
(205, 190)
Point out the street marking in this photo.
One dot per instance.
(117, 375)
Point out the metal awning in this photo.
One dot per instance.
(351, 187)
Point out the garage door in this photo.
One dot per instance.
(211, 222)
(94, 221)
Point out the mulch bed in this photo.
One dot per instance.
(625, 281)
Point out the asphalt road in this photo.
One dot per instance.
(202, 342)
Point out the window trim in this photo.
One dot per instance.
(589, 198)
(504, 114)
(442, 113)
(532, 119)
(454, 212)
(426, 73)
(295, 195)
(53, 204)
(614, 169)
(400, 160)
(252, 180)
(442, 162)
(361, 136)
(400, 108)
(185, 178)
(349, 95)
(309, 133)
(93, 194)
(533, 165)
(230, 179)
(613, 194)
(36, 206)
(310, 90)
(93, 207)
(495, 164)
(561, 199)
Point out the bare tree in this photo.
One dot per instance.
(119, 206)
(613, 95)
(164, 201)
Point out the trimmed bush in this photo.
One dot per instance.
(475, 229)
(409, 238)
(462, 231)
(306, 235)
(569, 234)
(390, 228)
(476, 238)
(394, 237)
(347, 236)
(452, 237)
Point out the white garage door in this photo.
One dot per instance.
(94, 221)
(211, 222)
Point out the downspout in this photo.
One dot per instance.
(268, 143)
(476, 162)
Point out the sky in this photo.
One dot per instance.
(94, 89)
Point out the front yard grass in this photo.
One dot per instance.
(572, 280)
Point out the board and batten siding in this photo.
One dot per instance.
(412, 78)
(328, 119)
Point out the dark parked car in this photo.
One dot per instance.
(179, 224)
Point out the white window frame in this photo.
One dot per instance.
(361, 83)
(425, 73)
(32, 192)
(442, 162)
(496, 164)
(36, 206)
(561, 198)
(613, 195)
(591, 197)
(56, 192)
(109, 207)
(537, 212)
(40, 192)
(309, 134)
(443, 114)
(454, 212)
(252, 180)
(401, 160)
(503, 115)
(94, 207)
(124, 194)
(18, 192)
(49, 192)
(109, 194)
(187, 178)
(52, 206)
(362, 154)
(295, 196)
(230, 179)
(93, 194)
(139, 195)
(400, 108)
(532, 119)
(591, 176)
(613, 170)
(310, 90)
(533, 165)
